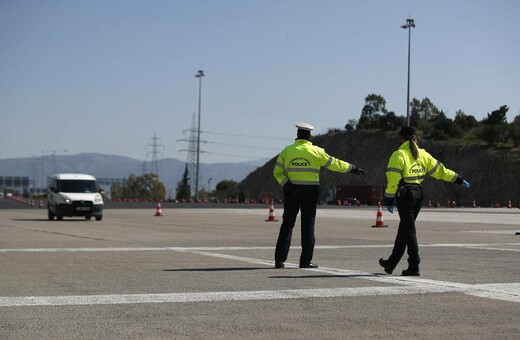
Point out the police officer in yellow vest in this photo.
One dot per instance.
(407, 168)
(297, 170)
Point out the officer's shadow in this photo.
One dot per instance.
(213, 269)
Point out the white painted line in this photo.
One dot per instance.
(406, 285)
(505, 232)
(492, 248)
(21, 301)
(71, 250)
(324, 247)
(498, 291)
(509, 293)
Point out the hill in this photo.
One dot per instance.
(492, 173)
(118, 167)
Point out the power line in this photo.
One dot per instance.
(245, 136)
(231, 155)
(245, 146)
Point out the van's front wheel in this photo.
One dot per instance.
(50, 215)
(99, 217)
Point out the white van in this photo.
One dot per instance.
(74, 195)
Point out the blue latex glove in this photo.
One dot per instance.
(466, 184)
(390, 209)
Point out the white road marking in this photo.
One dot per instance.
(115, 249)
(498, 291)
(404, 285)
(504, 291)
(206, 297)
(503, 232)
(493, 248)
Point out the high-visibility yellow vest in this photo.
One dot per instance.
(402, 165)
(301, 162)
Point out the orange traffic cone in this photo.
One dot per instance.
(380, 223)
(429, 203)
(509, 205)
(158, 211)
(272, 217)
(474, 205)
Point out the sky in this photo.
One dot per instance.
(107, 76)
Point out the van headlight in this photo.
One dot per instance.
(98, 199)
(65, 199)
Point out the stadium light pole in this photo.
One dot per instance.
(199, 75)
(409, 25)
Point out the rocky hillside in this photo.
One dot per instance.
(493, 174)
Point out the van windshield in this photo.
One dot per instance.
(77, 185)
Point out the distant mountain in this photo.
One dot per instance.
(118, 167)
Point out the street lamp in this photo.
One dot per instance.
(409, 25)
(199, 75)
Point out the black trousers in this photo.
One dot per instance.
(296, 198)
(408, 204)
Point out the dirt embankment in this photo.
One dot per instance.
(494, 174)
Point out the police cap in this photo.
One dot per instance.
(407, 131)
(305, 127)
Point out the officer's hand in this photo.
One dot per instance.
(389, 202)
(465, 184)
(358, 171)
(287, 186)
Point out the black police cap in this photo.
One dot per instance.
(407, 131)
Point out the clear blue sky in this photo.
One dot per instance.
(104, 76)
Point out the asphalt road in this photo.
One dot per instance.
(208, 273)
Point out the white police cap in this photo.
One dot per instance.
(305, 126)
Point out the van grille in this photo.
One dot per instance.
(83, 203)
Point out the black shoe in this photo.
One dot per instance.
(411, 272)
(278, 265)
(309, 265)
(384, 264)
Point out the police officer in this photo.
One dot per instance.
(407, 168)
(297, 170)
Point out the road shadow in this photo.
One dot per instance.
(47, 220)
(214, 269)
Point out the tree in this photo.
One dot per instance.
(226, 188)
(374, 107)
(464, 122)
(514, 131)
(444, 128)
(497, 117)
(146, 187)
(116, 191)
(494, 128)
(415, 112)
(422, 110)
(225, 185)
(351, 125)
(183, 187)
(390, 122)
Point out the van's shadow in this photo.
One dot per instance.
(47, 220)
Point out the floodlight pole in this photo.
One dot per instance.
(409, 24)
(199, 75)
